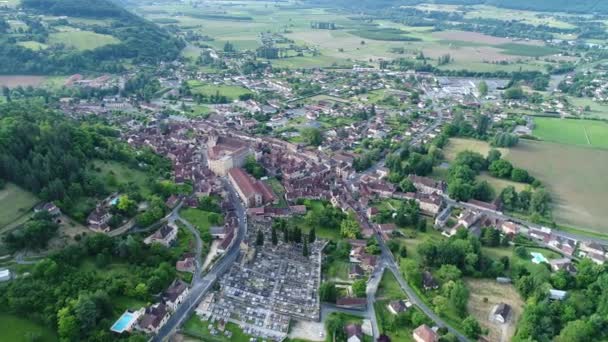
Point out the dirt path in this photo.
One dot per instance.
(212, 253)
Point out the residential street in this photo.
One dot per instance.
(200, 286)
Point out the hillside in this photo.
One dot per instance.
(68, 36)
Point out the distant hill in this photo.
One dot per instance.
(60, 42)
(578, 6)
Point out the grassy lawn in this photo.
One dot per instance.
(231, 92)
(412, 243)
(329, 122)
(499, 252)
(185, 241)
(198, 111)
(14, 203)
(457, 145)
(81, 40)
(15, 329)
(195, 327)
(389, 288)
(278, 190)
(321, 232)
(202, 220)
(572, 132)
(337, 271)
(115, 173)
(387, 204)
(498, 184)
(123, 303)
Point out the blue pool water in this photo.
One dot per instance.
(123, 322)
(114, 201)
(537, 258)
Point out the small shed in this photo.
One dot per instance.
(5, 275)
(557, 294)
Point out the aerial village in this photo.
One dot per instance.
(272, 284)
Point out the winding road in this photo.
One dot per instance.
(202, 284)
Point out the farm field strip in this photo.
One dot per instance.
(572, 132)
(572, 175)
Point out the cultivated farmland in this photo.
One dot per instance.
(21, 80)
(569, 172)
(573, 175)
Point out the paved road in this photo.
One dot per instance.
(500, 216)
(387, 257)
(202, 285)
(199, 246)
(372, 288)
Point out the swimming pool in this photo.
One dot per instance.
(124, 322)
(537, 258)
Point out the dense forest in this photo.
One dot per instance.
(140, 40)
(46, 153)
(79, 290)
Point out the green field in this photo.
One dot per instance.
(527, 50)
(498, 184)
(337, 271)
(597, 109)
(15, 329)
(232, 92)
(569, 172)
(573, 175)
(14, 203)
(498, 252)
(115, 173)
(321, 232)
(389, 287)
(278, 190)
(198, 329)
(126, 303)
(388, 34)
(457, 145)
(81, 40)
(33, 45)
(572, 132)
(203, 220)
